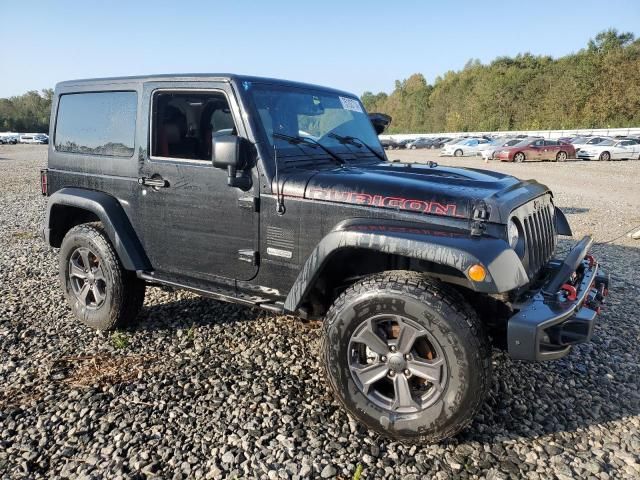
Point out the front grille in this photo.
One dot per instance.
(536, 218)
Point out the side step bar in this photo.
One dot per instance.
(222, 295)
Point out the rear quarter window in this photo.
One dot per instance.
(97, 123)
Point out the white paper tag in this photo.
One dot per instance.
(350, 104)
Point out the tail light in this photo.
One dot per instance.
(44, 182)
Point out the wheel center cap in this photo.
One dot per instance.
(397, 362)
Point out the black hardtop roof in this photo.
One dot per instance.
(191, 77)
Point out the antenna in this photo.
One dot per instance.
(280, 209)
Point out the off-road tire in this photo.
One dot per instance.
(458, 153)
(448, 318)
(124, 291)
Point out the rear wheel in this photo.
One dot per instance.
(457, 153)
(101, 293)
(561, 156)
(605, 156)
(406, 356)
(518, 157)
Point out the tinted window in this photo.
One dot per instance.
(101, 123)
(184, 123)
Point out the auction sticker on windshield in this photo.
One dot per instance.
(350, 104)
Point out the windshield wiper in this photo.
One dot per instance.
(308, 141)
(355, 141)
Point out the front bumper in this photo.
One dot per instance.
(563, 312)
(583, 154)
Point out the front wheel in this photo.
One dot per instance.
(518, 157)
(561, 156)
(457, 153)
(101, 293)
(605, 156)
(406, 356)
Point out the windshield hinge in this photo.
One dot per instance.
(478, 219)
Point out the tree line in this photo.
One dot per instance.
(597, 87)
(26, 113)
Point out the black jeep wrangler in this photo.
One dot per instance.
(278, 195)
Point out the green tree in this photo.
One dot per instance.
(598, 86)
(26, 113)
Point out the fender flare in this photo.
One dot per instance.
(113, 217)
(445, 246)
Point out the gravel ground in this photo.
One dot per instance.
(201, 389)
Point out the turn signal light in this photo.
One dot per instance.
(477, 273)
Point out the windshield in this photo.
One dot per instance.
(325, 117)
(605, 143)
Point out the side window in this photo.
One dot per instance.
(183, 123)
(538, 143)
(98, 123)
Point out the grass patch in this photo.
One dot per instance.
(191, 333)
(24, 235)
(103, 369)
(119, 340)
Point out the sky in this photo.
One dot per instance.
(355, 46)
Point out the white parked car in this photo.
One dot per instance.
(9, 138)
(464, 148)
(623, 149)
(583, 142)
(487, 151)
(40, 138)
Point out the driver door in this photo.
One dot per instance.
(536, 150)
(193, 225)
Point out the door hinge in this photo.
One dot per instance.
(249, 256)
(250, 203)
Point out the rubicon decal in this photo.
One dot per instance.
(396, 203)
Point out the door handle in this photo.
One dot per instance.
(157, 182)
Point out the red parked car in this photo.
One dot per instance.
(537, 149)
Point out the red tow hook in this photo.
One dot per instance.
(590, 258)
(572, 294)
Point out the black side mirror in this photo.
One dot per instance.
(233, 153)
(380, 121)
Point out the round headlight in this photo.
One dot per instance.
(513, 234)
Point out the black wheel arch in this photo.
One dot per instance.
(387, 244)
(69, 207)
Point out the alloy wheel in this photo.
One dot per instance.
(397, 364)
(87, 278)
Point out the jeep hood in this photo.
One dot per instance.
(418, 188)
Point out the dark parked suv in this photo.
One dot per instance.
(278, 195)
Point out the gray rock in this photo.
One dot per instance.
(328, 471)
